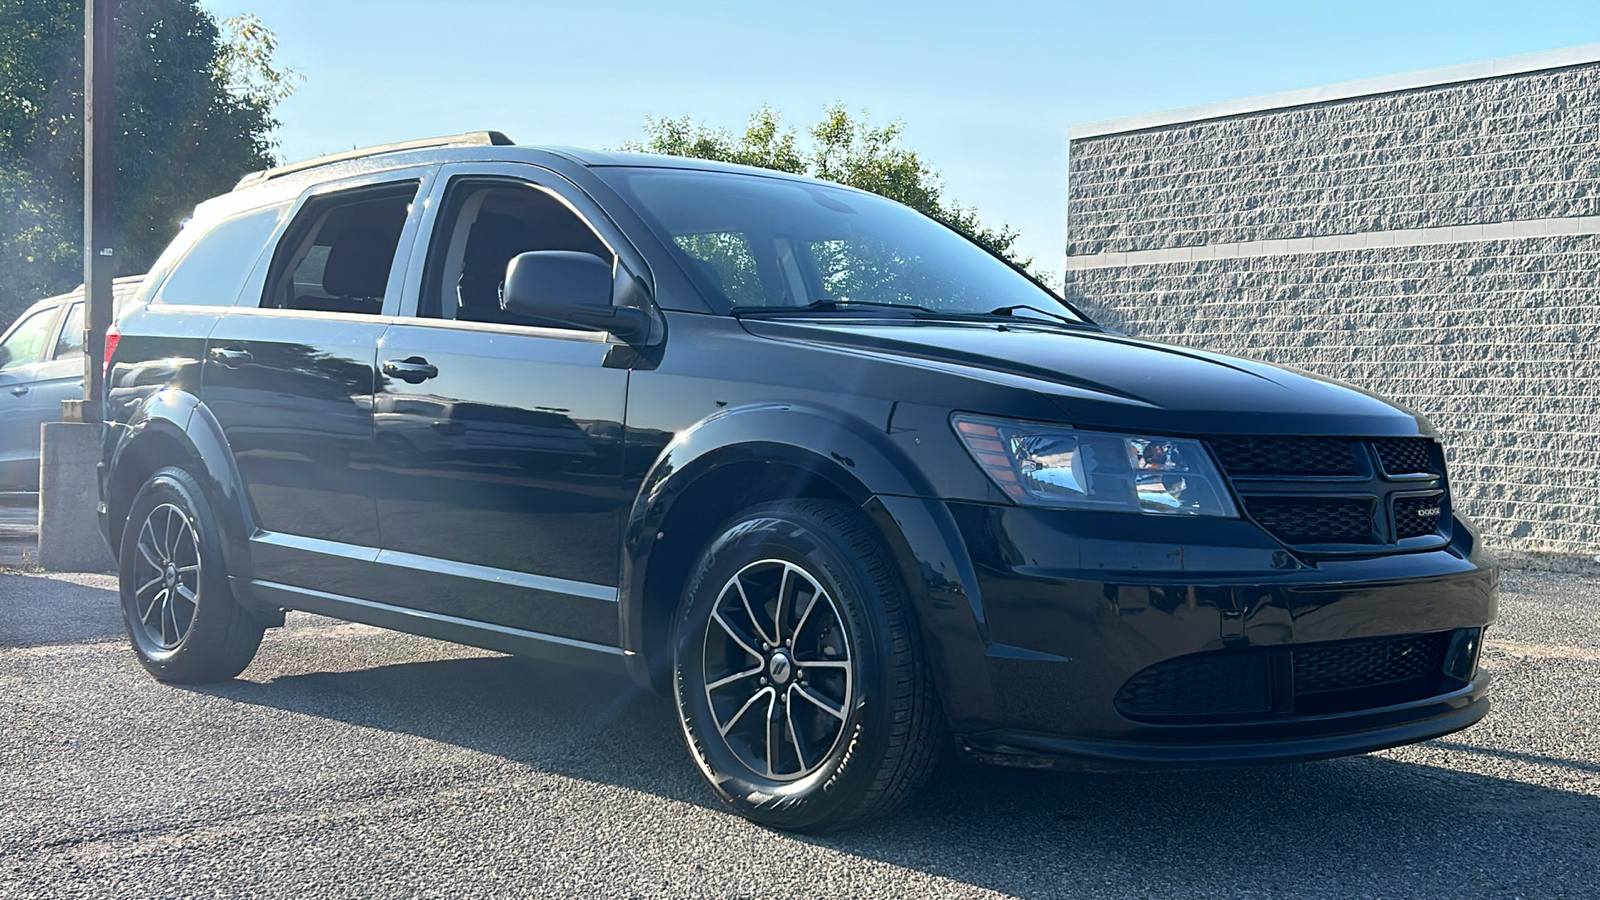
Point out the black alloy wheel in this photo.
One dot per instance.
(166, 569)
(181, 617)
(779, 672)
(798, 671)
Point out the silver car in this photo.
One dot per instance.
(41, 364)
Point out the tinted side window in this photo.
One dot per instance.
(337, 255)
(215, 269)
(482, 226)
(70, 342)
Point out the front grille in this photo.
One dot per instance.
(1406, 456)
(1338, 494)
(1258, 456)
(1417, 516)
(1308, 679)
(1309, 520)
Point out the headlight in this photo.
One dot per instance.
(1055, 465)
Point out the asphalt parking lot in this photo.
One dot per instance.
(348, 761)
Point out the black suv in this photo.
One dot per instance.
(849, 488)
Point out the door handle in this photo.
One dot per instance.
(232, 357)
(19, 390)
(411, 370)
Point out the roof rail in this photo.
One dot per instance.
(469, 139)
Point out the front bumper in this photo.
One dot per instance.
(1068, 608)
(1283, 741)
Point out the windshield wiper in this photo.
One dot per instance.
(830, 305)
(1012, 310)
(825, 305)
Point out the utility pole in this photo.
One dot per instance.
(99, 263)
(69, 450)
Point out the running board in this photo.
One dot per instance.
(533, 644)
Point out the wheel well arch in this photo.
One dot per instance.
(140, 456)
(177, 430)
(706, 500)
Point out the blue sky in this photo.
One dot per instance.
(987, 90)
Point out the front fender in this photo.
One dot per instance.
(856, 457)
(849, 452)
(936, 568)
(858, 448)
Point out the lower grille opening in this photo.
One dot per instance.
(1311, 679)
(1201, 686)
(1353, 664)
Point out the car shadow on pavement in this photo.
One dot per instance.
(58, 609)
(1292, 829)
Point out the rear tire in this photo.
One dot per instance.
(181, 617)
(800, 681)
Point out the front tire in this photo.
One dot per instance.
(799, 676)
(181, 617)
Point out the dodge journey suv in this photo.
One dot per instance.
(848, 488)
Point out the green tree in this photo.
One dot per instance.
(843, 149)
(195, 106)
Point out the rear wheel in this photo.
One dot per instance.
(798, 672)
(181, 617)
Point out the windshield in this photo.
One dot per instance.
(769, 244)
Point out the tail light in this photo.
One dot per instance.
(113, 335)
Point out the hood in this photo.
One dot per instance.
(1113, 381)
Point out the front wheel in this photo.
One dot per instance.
(798, 672)
(181, 617)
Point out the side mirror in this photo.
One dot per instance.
(569, 288)
(5, 356)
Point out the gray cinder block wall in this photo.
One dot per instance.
(1432, 237)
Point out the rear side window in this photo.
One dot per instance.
(70, 342)
(215, 269)
(337, 255)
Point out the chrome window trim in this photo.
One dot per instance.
(561, 334)
(305, 314)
